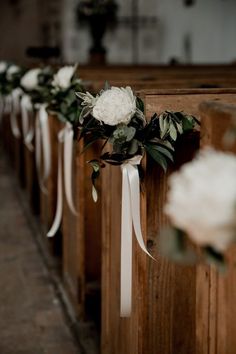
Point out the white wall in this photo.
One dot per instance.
(209, 26)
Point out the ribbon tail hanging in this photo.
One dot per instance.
(38, 153)
(14, 112)
(126, 248)
(68, 155)
(58, 216)
(134, 187)
(42, 136)
(43, 116)
(130, 217)
(27, 129)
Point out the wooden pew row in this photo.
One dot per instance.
(98, 85)
(14, 147)
(216, 119)
(70, 267)
(152, 73)
(31, 180)
(81, 239)
(170, 302)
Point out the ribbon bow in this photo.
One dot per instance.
(65, 136)
(130, 216)
(42, 140)
(27, 128)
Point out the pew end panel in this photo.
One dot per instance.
(217, 118)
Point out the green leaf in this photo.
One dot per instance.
(188, 124)
(157, 156)
(173, 132)
(95, 165)
(214, 257)
(140, 104)
(165, 152)
(173, 246)
(133, 148)
(164, 125)
(94, 194)
(95, 174)
(179, 128)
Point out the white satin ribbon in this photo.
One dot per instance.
(42, 141)
(14, 98)
(26, 116)
(7, 103)
(130, 215)
(65, 136)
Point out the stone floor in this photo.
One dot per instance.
(32, 320)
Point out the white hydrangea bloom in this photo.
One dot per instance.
(3, 66)
(115, 105)
(202, 199)
(62, 79)
(30, 80)
(12, 70)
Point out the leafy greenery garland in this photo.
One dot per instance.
(157, 137)
(9, 83)
(42, 93)
(64, 103)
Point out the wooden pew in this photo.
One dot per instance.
(82, 234)
(124, 73)
(216, 119)
(14, 147)
(170, 304)
(82, 240)
(31, 181)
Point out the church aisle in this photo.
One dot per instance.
(31, 315)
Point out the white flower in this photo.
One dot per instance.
(62, 78)
(115, 105)
(12, 70)
(30, 80)
(202, 199)
(3, 66)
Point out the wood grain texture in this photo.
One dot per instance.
(48, 201)
(171, 303)
(216, 119)
(189, 287)
(32, 187)
(73, 240)
(82, 238)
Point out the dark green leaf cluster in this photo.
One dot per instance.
(65, 104)
(127, 141)
(43, 92)
(7, 85)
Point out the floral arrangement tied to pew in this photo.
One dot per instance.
(116, 116)
(201, 206)
(10, 76)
